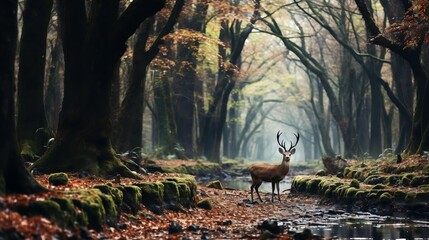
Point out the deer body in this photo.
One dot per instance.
(271, 172)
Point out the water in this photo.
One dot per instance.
(331, 225)
(362, 226)
(243, 183)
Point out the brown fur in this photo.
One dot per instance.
(268, 173)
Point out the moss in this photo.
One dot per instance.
(115, 193)
(354, 183)
(386, 198)
(215, 184)
(187, 188)
(111, 210)
(360, 194)
(299, 183)
(58, 179)
(70, 214)
(379, 186)
(132, 197)
(205, 204)
(351, 193)
(406, 179)
(410, 197)
(171, 195)
(392, 180)
(152, 195)
(313, 185)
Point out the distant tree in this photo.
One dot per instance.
(94, 39)
(32, 127)
(14, 178)
(234, 36)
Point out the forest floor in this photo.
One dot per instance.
(232, 215)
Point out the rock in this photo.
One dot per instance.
(193, 228)
(215, 184)
(57, 179)
(321, 173)
(334, 165)
(272, 226)
(205, 204)
(174, 227)
(354, 183)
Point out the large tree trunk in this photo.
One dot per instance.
(14, 178)
(32, 127)
(129, 127)
(92, 48)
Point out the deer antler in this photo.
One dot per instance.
(297, 139)
(282, 144)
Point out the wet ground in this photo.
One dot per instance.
(333, 222)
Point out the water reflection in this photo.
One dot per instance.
(243, 183)
(364, 226)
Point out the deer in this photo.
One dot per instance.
(270, 172)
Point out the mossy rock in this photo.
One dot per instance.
(299, 183)
(392, 180)
(386, 198)
(313, 186)
(355, 183)
(58, 179)
(132, 197)
(100, 208)
(172, 195)
(379, 186)
(115, 193)
(205, 204)
(361, 194)
(351, 193)
(410, 197)
(152, 196)
(187, 189)
(215, 184)
(406, 179)
(70, 215)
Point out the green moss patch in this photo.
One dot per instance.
(205, 204)
(58, 179)
(215, 184)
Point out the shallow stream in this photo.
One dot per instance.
(338, 224)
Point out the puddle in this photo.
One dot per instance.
(360, 225)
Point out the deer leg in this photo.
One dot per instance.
(278, 190)
(251, 191)
(273, 184)
(257, 192)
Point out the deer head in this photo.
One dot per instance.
(287, 153)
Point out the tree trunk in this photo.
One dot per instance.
(92, 48)
(14, 178)
(32, 127)
(53, 94)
